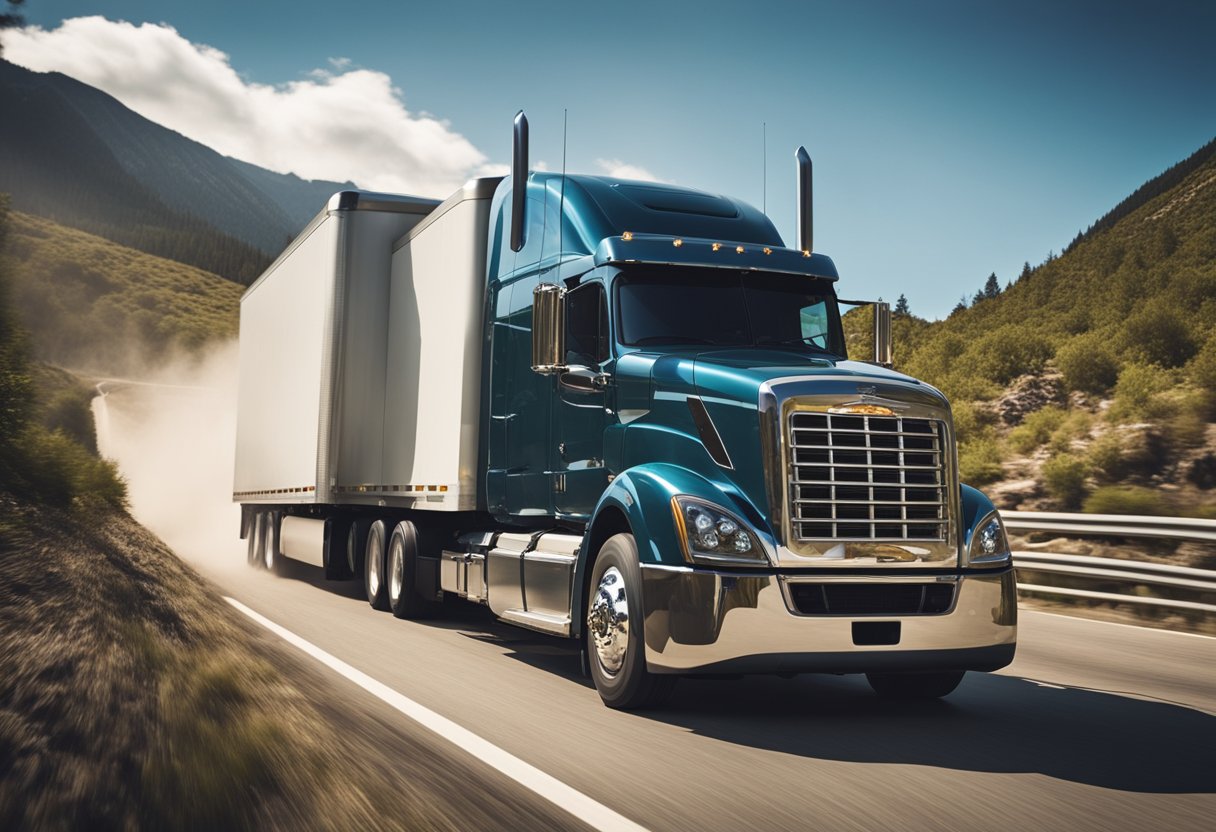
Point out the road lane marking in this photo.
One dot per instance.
(590, 812)
(1115, 623)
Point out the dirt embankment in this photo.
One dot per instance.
(132, 697)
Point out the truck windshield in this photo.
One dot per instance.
(728, 309)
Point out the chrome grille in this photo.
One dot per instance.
(874, 478)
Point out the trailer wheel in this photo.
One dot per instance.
(257, 540)
(373, 566)
(251, 541)
(356, 545)
(615, 640)
(915, 685)
(272, 557)
(401, 574)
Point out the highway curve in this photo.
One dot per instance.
(1094, 726)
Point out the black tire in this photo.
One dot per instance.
(257, 542)
(251, 541)
(272, 555)
(401, 571)
(356, 545)
(373, 566)
(915, 685)
(619, 671)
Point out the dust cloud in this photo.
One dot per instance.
(172, 432)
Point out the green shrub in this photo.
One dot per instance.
(1075, 425)
(59, 470)
(1157, 334)
(1087, 364)
(1064, 478)
(1008, 352)
(1138, 393)
(979, 461)
(1126, 499)
(1036, 429)
(1201, 372)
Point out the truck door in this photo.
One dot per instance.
(582, 403)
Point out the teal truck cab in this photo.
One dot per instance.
(669, 456)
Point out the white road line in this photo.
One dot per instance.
(590, 812)
(1115, 623)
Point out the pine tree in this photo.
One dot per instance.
(961, 306)
(901, 307)
(992, 287)
(1025, 271)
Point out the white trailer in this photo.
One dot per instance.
(382, 409)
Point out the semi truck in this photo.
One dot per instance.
(620, 412)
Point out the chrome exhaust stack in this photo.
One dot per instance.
(805, 226)
(519, 182)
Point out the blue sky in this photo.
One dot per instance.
(950, 139)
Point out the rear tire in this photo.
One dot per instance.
(257, 540)
(373, 566)
(251, 541)
(915, 685)
(401, 571)
(356, 545)
(616, 646)
(272, 557)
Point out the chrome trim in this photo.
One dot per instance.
(703, 620)
(908, 398)
(548, 329)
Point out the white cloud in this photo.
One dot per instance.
(338, 123)
(624, 170)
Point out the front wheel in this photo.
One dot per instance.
(915, 685)
(615, 643)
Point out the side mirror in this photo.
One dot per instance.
(548, 329)
(883, 351)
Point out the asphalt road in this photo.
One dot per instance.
(1094, 726)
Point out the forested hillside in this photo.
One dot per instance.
(90, 303)
(1092, 378)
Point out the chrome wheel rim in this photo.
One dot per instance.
(395, 569)
(374, 559)
(608, 621)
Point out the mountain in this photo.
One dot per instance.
(73, 153)
(1095, 372)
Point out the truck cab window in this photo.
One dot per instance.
(586, 326)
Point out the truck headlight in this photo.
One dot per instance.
(711, 534)
(989, 545)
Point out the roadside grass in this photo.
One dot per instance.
(131, 697)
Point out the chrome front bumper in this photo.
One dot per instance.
(702, 621)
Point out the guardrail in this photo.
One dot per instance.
(1150, 576)
(1114, 525)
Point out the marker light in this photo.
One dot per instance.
(768, 250)
(627, 236)
(738, 249)
(806, 252)
(677, 242)
(716, 246)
